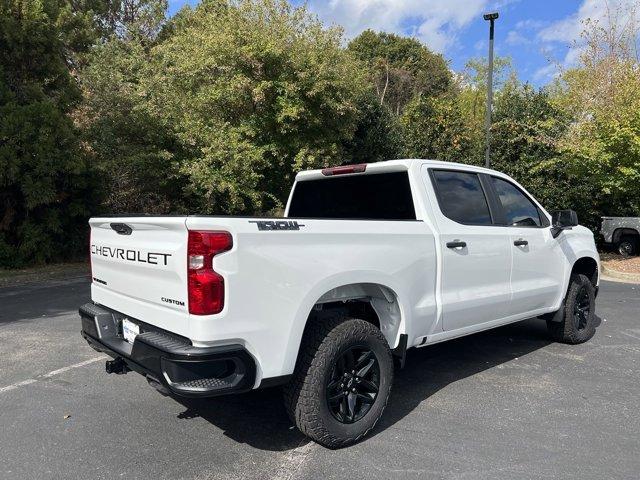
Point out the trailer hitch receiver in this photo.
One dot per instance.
(117, 366)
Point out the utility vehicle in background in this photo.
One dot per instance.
(622, 233)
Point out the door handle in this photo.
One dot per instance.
(520, 243)
(456, 244)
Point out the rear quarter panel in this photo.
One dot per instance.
(274, 278)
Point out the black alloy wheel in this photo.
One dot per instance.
(576, 321)
(353, 385)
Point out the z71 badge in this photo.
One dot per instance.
(277, 224)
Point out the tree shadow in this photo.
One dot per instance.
(44, 299)
(258, 418)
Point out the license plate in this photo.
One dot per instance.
(129, 330)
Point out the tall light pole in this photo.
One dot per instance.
(491, 18)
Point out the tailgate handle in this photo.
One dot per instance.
(122, 228)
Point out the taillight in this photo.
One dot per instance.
(205, 286)
(357, 168)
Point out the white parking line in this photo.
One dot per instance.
(29, 381)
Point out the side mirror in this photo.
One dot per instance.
(563, 220)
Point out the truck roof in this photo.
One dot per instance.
(397, 165)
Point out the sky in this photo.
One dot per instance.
(536, 34)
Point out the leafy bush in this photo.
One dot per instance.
(45, 195)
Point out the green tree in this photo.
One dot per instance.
(526, 129)
(378, 134)
(253, 90)
(401, 68)
(132, 149)
(131, 19)
(602, 97)
(472, 98)
(526, 135)
(472, 83)
(434, 128)
(44, 190)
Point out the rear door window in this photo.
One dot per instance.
(461, 197)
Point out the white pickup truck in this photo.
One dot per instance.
(368, 261)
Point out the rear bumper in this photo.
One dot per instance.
(167, 359)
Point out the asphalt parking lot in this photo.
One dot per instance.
(504, 404)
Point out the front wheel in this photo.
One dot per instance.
(578, 322)
(342, 381)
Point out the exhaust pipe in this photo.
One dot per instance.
(117, 366)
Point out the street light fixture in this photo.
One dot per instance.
(491, 18)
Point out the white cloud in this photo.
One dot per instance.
(530, 24)
(524, 32)
(567, 31)
(514, 38)
(546, 73)
(434, 22)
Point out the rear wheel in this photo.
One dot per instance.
(627, 246)
(578, 320)
(342, 381)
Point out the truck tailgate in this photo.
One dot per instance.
(139, 267)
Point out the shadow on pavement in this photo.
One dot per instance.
(430, 369)
(259, 419)
(47, 299)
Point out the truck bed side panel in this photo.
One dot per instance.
(275, 277)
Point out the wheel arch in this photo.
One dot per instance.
(372, 300)
(587, 266)
(585, 263)
(619, 232)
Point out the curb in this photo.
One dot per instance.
(625, 277)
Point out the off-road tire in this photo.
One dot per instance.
(324, 341)
(565, 330)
